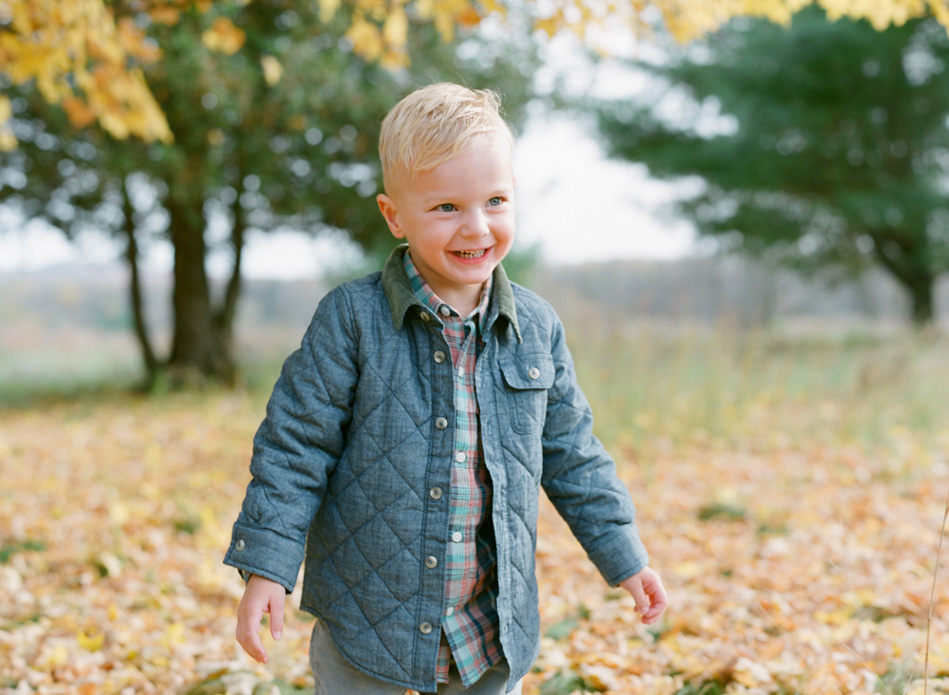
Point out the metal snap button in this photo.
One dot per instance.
(435, 493)
(240, 545)
(439, 357)
(431, 562)
(426, 317)
(533, 373)
(441, 423)
(425, 628)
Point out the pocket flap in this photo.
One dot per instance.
(532, 372)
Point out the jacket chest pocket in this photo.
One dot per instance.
(526, 382)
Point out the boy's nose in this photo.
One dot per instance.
(476, 225)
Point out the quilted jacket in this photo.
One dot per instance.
(350, 471)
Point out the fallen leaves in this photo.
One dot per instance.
(785, 574)
(792, 567)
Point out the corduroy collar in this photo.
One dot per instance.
(398, 291)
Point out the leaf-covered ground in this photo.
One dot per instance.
(793, 567)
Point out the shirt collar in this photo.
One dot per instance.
(424, 293)
(401, 297)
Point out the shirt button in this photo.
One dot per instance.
(435, 493)
(461, 372)
(456, 536)
(439, 357)
(426, 317)
(431, 562)
(444, 310)
(425, 628)
(461, 456)
(240, 545)
(441, 423)
(450, 610)
(533, 373)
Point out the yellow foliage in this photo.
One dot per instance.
(7, 141)
(91, 642)
(224, 37)
(59, 43)
(273, 70)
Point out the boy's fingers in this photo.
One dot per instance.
(639, 596)
(276, 618)
(249, 638)
(250, 641)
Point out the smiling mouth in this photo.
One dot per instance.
(470, 254)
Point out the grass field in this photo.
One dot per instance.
(790, 490)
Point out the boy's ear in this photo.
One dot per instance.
(391, 214)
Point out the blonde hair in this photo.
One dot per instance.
(434, 124)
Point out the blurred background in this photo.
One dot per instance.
(741, 219)
(765, 176)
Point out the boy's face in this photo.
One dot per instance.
(458, 219)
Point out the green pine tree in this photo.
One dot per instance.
(824, 144)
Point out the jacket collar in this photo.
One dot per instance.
(398, 291)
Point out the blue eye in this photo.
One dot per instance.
(495, 201)
(445, 207)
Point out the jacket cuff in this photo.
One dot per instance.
(620, 558)
(265, 553)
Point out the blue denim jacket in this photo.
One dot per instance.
(351, 471)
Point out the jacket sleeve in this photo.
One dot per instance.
(297, 446)
(581, 479)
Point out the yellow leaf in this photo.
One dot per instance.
(165, 15)
(78, 112)
(396, 28)
(91, 642)
(7, 139)
(469, 17)
(328, 9)
(224, 37)
(272, 68)
(366, 38)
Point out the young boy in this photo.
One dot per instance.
(406, 440)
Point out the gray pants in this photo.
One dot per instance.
(336, 676)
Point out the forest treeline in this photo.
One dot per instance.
(697, 290)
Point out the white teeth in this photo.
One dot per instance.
(470, 254)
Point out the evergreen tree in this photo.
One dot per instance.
(824, 144)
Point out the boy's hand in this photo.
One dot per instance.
(260, 596)
(646, 588)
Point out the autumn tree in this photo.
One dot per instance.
(824, 144)
(273, 123)
(89, 55)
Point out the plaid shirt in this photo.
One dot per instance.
(470, 632)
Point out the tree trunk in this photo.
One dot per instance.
(913, 272)
(224, 320)
(921, 296)
(135, 290)
(196, 350)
